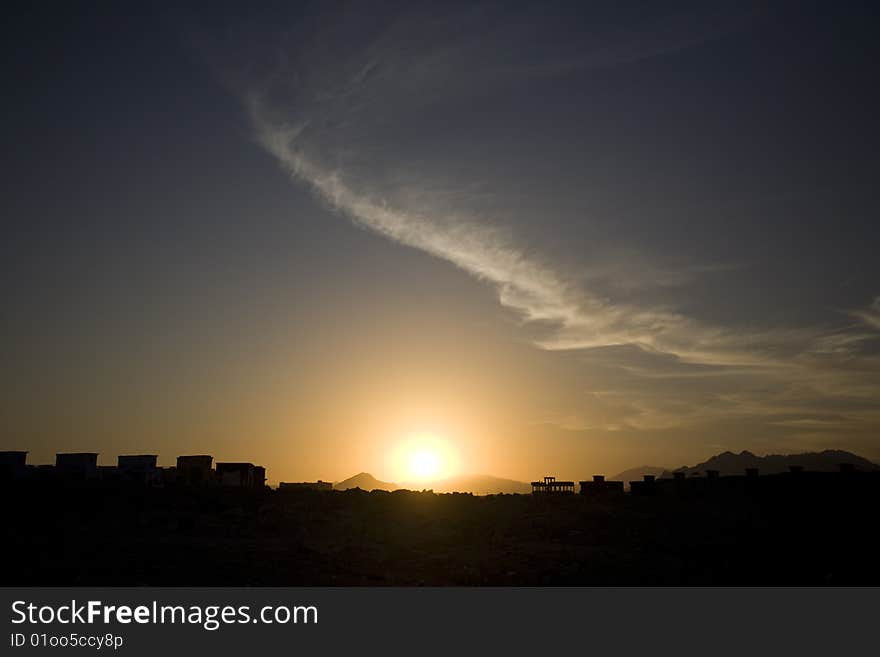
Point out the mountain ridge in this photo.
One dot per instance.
(478, 484)
(729, 463)
(364, 481)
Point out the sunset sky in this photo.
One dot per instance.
(565, 239)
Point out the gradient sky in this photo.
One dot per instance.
(563, 239)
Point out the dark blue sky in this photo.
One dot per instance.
(249, 230)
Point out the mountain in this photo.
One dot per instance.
(364, 481)
(478, 484)
(637, 474)
(728, 463)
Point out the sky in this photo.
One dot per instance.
(531, 239)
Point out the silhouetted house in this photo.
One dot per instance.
(550, 485)
(109, 473)
(305, 485)
(78, 464)
(713, 480)
(44, 472)
(239, 475)
(140, 468)
(13, 459)
(13, 465)
(680, 485)
(645, 487)
(259, 476)
(195, 469)
(599, 487)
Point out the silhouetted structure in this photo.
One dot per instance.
(683, 483)
(140, 468)
(645, 487)
(241, 475)
(305, 485)
(599, 487)
(77, 464)
(13, 465)
(550, 485)
(195, 469)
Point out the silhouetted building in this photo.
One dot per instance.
(109, 473)
(13, 459)
(239, 475)
(140, 468)
(305, 485)
(13, 465)
(599, 487)
(136, 462)
(645, 487)
(259, 476)
(679, 485)
(195, 469)
(77, 464)
(550, 485)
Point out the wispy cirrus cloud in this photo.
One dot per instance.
(318, 109)
(870, 315)
(572, 316)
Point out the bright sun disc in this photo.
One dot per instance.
(423, 458)
(424, 464)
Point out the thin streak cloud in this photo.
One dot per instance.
(575, 318)
(870, 315)
(318, 119)
(530, 287)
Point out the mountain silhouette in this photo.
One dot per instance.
(364, 481)
(728, 463)
(478, 484)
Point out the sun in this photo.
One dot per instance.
(424, 464)
(424, 457)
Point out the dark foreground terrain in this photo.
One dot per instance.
(95, 535)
